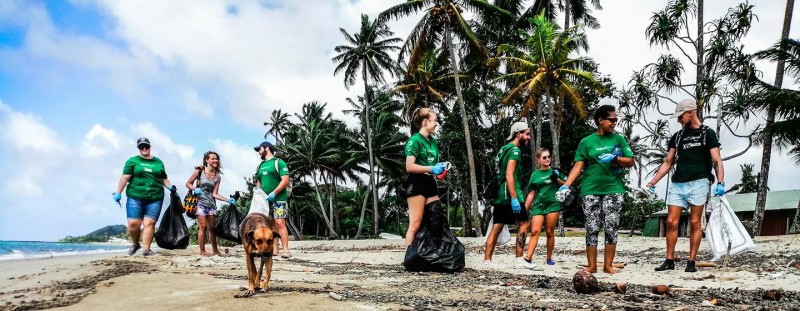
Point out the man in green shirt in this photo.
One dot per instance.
(273, 178)
(507, 207)
(694, 150)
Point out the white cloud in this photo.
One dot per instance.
(194, 104)
(99, 141)
(25, 132)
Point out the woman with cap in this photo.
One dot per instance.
(273, 178)
(207, 190)
(601, 155)
(145, 178)
(541, 201)
(422, 164)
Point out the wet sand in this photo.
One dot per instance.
(366, 275)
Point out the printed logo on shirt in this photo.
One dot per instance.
(285, 169)
(147, 169)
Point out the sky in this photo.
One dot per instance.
(80, 80)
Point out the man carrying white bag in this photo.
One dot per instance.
(724, 229)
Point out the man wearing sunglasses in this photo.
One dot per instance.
(694, 150)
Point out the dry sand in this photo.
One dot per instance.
(368, 276)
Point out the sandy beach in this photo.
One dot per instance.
(367, 275)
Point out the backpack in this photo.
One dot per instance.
(288, 188)
(490, 191)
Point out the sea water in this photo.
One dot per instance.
(11, 250)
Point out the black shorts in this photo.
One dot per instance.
(421, 184)
(503, 214)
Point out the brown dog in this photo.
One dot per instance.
(259, 238)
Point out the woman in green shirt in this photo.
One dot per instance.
(541, 201)
(145, 177)
(601, 156)
(422, 164)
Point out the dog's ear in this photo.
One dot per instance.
(276, 235)
(249, 236)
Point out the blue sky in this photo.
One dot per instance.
(80, 80)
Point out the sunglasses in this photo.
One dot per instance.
(545, 157)
(612, 120)
(143, 147)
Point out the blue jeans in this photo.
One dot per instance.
(693, 193)
(138, 209)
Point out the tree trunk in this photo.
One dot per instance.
(297, 233)
(328, 223)
(699, 49)
(567, 7)
(473, 182)
(363, 211)
(766, 152)
(539, 127)
(795, 228)
(368, 126)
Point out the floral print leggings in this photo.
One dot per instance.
(602, 210)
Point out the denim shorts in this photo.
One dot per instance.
(688, 193)
(138, 209)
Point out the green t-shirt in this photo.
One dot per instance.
(426, 151)
(693, 160)
(599, 178)
(506, 153)
(147, 178)
(542, 182)
(270, 178)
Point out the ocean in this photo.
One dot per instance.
(11, 250)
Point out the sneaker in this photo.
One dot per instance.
(669, 264)
(286, 255)
(690, 266)
(488, 264)
(522, 263)
(148, 252)
(132, 250)
(550, 262)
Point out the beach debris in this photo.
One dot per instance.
(777, 276)
(705, 264)
(336, 296)
(621, 288)
(543, 283)
(702, 278)
(772, 294)
(660, 289)
(584, 282)
(579, 251)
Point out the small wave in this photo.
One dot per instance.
(17, 255)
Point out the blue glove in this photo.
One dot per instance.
(438, 168)
(117, 197)
(617, 151)
(606, 157)
(652, 189)
(271, 197)
(515, 206)
(198, 191)
(231, 201)
(719, 190)
(563, 187)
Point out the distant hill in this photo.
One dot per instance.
(99, 235)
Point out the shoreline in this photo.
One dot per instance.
(367, 275)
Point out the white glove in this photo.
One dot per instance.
(562, 193)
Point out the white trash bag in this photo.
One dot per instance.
(723, 228)
(259, 202)
(504, 236)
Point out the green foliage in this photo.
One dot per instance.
(637, 206)
(99, 235)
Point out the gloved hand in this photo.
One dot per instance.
(231, 201)
(438, 168)
(117, 197)
(651, 187)
(719, 190)
(562, 193)
(515, 205)
(617, 151)
(556, 174)
(173, 188)
(198, 191)
(271, 196)
(606, 157)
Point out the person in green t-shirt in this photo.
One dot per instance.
(145, 178)
(422, 164)
(601, 157)
(694, 150)
(506, 204)
(542, 203)
(273, 179)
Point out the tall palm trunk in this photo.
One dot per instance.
(328, 222)
(473, 182)
(551, 114)
(766, 152)
(363, 211)
(698, 92)
(368, 126)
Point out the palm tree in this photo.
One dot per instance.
(430, 82)
(749, 183)
(278, 124)
(369, 51)
(440, 23)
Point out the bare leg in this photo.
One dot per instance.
(522, 236)
(147, 233)
(591, 256)
(416, 207)
(201, 234)
(211, 223)
(281, 224)
(673, 218)
(608, 261)
(552, 221)
(491, 241)
(536, 228)
(697, 233)
(134, 229)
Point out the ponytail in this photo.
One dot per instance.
(419, 115)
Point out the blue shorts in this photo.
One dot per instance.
(138, 209)
(688, 193)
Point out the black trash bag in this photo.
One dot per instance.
(228, 224)
(435, 248)
(172, 232)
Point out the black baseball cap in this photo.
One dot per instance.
(264, 144)
(142, 141)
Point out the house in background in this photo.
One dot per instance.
(779, 213)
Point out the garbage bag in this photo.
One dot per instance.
(505, 235)
(172, 232)
(259, 203)
(228, 224)
(725, 228)
(435, 248)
